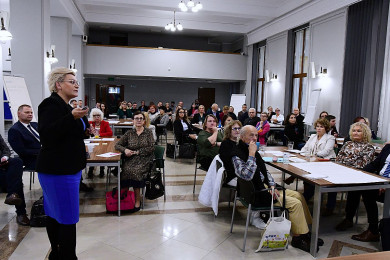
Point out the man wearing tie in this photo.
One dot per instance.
(23, 137)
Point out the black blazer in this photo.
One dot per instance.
(376, 165)
(197, 118)
(4, 150)
(180, 134)
(24, 143)
(63, 149)
(294, 133)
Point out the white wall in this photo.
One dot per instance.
(76, 48)
(61, 33)
(164, 63)
(275, 62)
(327, 50)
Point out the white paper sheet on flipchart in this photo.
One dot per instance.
(108, 139)
(336, 173)
(108, 154)
(112, 122)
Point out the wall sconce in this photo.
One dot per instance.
(9, 55)
(50, 55)
(4, 34)
(274, 77)
(323, 72)
(266, 76)
(72, 66)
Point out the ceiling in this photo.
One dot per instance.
(217, 18)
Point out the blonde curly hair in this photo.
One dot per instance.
(365, 129)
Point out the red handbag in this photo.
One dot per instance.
(127, 201)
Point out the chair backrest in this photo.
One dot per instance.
(159, 155)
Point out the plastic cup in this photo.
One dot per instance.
(290, 145)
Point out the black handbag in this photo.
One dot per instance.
(187, 151)
(38, 217)
(170, 150)
(384, 229)
(154, 186)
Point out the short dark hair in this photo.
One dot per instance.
(357, 119)
(224, 118)
(287, 119)
(322, 113)
(138, 113)
(330, 117)
(20, 108)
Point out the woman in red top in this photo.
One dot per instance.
(101, 128)
(98, 126)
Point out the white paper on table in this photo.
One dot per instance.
(112, 122)
(86, 142)
(275, 153)
(336, 173)
(126, 123)
(294, 151)
(108, 139)
(92, 144)
(297, 160)
(108, 154)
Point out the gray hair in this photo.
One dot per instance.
(58, 75)
(252, 108)
(95, 111)
(245, 129)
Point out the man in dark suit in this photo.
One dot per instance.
(298, 116)
(213, 110)
(380, 166)
(252, 119)
(243, 114)
(23, 137)
(12, 169)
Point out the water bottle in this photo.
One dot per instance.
(219, 124)
(285, 158)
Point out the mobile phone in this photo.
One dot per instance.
(85, 108)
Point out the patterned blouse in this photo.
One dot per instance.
(356, 154)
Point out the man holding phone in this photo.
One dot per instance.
(12, 168)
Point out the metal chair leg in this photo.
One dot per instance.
(196, 168)
(31, 177)
(234, 209)
(246, 226)
(165, 191)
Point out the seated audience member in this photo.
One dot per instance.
(182, 129)
(323, 114)
(24, 139)
(359, 153)
(181, 104)
(153, 113)
(298, 116)
(159, 104)
(149, 126)
(277, 118)
(143, 107)
(193, 110)
(123, 112)
(243, 114)
(294, 131)
(197, 102)
(168, 109)
(320, 145)
(97, 105)
(199, 117)
(225, 121)
(137, 145)
(373, 135)
(161, 122)
(270, 113)
(230, 140)
(104, 110)
(129, 105)
(332, 122)
(231, 113)
(12, 169)
(225, 111)
(73, 103)
(80, 103)
(173, 107)
(249, 165)
(209, 140)
(134, 108)
(100, 128)
(252, 119)
(263, 128)
(213, 111)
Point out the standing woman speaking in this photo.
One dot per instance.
(61, 160)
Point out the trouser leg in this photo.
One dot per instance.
(14, 175)
(308, 191)
(353, 199)
(369, 200)
(67, 242)
(331, 203)
(52, 229)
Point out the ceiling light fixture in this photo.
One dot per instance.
(173, 26)
(190, 5)
(4, 34)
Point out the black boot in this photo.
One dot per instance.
(90, 173)
(101, 175)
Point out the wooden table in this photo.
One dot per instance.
(122, 124)
(276, 127)
(94, 160)
(322, 186)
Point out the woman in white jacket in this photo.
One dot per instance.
(320, 145)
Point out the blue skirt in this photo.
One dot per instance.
(61, 196)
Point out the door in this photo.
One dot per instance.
(110, 95)
(206, 97)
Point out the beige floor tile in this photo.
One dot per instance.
(102, 251)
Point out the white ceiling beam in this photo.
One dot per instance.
(79, 24)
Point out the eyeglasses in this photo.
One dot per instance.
(236, 128)
(73, 82)
(138, 118)
(96, 115)
(181, 112)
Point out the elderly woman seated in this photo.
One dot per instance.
(209, 140)
(99, 128)
(137, 145)
(358, 153)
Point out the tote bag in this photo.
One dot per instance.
(277, 231)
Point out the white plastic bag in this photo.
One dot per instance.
(276, 233)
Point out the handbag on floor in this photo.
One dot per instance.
(154, 186)
(127, 201)
(384, 229)
(170, 150)
(276, 233)
(38, 217)
(187, 151)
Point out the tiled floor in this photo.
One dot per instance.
(179, 228)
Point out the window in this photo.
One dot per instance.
(301, 65)
(260, 80)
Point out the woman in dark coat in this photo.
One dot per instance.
(61, 160)
(182, 129)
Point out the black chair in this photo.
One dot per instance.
(245, 193)
(163, 132)
(197, 161)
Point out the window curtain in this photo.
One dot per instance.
(364, 60)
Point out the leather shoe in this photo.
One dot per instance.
(84, 187)
(302, 243)
(327, 212)
(366, 236)
(344, 225)
(23, 220)
(13, 199)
